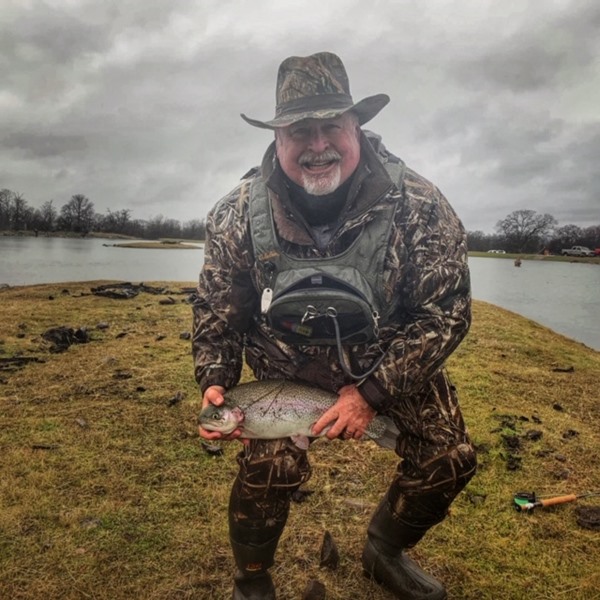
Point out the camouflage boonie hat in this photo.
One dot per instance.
(316, 87)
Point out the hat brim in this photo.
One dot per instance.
(366, 109)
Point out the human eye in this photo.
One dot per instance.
(299, 132)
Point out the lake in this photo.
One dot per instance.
(560, 295)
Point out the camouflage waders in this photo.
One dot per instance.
(438, 460)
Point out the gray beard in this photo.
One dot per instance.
(321, 186)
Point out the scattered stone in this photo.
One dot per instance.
(534, 435)
(14, 363)
(569, 434)
(560, 458)
(81, 422)
(122, 375)
(558, 407)
(160, 336)
(512, 442)
(301, 495)
(125, 291)
(330, 557)
(570, 369)
(536, 419)
(44, 446)
(20, 336)
(562, 475)
(213, 449)
(50, 297)
(120, 335)
(65, 292)
(588, 517)
(167, 300)
(22, 326)
(314, 590)
(513, 462)
(63, 337)
(140, 388)
(185, 335)
(476, 500)
(102, 325)
(176, 399)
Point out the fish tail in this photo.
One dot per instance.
(388, 438)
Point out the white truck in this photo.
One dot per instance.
(577, 251)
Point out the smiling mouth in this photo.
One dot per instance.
(319, 163)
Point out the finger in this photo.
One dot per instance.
(324, 420)
(209, 435)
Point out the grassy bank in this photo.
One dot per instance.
(106, 492)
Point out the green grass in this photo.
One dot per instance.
(106, 492)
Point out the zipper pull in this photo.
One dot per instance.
(265, 300)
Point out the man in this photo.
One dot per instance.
(328, 193)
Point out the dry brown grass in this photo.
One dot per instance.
(106, 492)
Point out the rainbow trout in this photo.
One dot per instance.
(277, 409)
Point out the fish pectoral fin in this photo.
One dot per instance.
(301, 441)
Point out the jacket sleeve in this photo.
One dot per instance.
(225, 300)
(434, 313)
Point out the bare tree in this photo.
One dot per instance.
(5, 208)
(78, 214)
(47, 216)
(20, 213)
(525, 230)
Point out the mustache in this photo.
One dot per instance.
(312, 157)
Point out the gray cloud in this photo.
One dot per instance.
(137, 104)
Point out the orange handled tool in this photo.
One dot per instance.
(525, 501)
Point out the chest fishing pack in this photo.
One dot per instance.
(336, 300)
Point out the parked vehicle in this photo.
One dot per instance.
(597, 251)
(496, 252)
(577, 251)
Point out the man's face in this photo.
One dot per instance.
(319, 154)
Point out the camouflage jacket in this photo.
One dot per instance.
(426, 267)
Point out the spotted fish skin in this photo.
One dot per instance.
(276, 409)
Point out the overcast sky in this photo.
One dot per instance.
(136, 103)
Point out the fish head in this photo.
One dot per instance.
(223, 419)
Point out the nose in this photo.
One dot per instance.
(319, 142)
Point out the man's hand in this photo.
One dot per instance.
(214, 395)
(350, 415)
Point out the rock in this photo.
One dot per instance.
(102, 325)
(569, 434)
(314, 590)
(176, 399)
(588, 517)
(213, 449)
(122, 375)
(185, 335)
(167, 300)
(63, 337)
(558, 407)
(330, 557)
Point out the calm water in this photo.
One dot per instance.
(562, 296)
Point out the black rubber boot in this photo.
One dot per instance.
(384, 558)
(252, 580)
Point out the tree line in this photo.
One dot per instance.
(526, 231)
(79, 216)
(522, 231)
